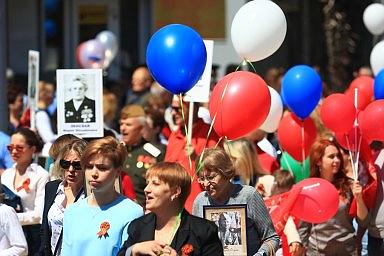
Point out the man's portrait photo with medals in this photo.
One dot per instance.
(80, 93)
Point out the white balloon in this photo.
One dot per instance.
(258, 29)
(373, 18)
(272, 121)
(109, 41)
(377, 57)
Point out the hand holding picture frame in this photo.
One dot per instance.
(231, 223)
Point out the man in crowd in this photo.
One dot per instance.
(178, 149)
(141, 154)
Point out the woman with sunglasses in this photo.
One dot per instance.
(215, 177)
(27, 180)
(61, 193)
(97, 224)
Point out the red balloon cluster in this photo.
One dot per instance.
(239, 104)
(296, 136)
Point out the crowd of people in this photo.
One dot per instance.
(144, 188)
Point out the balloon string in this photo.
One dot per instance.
(253, 67)
(357, 158)
(199, 165)
(302, 148)
(350, 155)
(186, 133)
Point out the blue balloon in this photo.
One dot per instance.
(302, 89)
(176, 57)
(378, 85)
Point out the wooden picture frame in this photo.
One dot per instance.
(231, 222)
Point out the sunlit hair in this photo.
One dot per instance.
(283, 182)
(77, 146)
(173, 174)
(59, 143)
(108, 147)
(217, 160)
(245, 159)
(316, 154)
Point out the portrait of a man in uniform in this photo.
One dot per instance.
(80, 109)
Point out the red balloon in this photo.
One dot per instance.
(338, 112)
(364, 84)
(349, 140)
(291, 134)
(317, 202)
(372, 120)
(243, 107)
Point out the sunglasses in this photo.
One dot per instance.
(66, 164)
(18, 148)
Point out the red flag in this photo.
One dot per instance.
(279, 207)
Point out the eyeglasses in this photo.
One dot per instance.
(209, 178)
(18, 148)
(66, 164)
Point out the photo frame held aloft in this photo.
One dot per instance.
(231, 222)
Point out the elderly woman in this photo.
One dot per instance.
(336, 236)
(97, 224)
(61, 193)
(215, 177)
(27, 180)
(168, 229)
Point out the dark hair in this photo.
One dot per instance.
(30, 137)
(13, 91)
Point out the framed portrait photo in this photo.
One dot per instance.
(80, 102)
(231, 223)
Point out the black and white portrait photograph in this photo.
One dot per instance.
(231, 223)
(33, 81)
(79, 94)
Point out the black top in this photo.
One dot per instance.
(200, 233)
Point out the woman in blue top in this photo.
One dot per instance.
(97, 225)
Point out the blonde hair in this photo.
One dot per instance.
(175, 175)
(245, 159)
(77, 146)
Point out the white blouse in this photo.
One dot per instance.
(12, 240)
(33, 199)
(55, 216)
